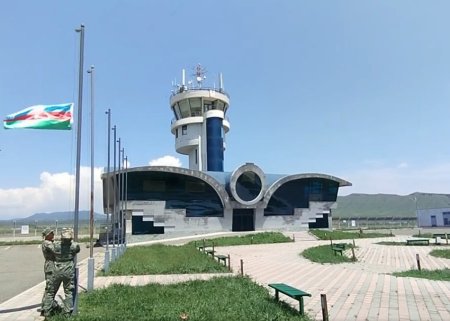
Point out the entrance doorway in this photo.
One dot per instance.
(433, 221)
(243, 219)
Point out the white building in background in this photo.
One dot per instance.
(434, 217)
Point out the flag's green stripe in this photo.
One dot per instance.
(38, 124)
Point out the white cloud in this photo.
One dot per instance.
(400, 179)
(166, 161)
(56, 192)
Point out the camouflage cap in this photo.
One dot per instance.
(67, 233)
(47, 231)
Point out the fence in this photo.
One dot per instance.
(374, 222)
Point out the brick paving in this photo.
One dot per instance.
(364, 290)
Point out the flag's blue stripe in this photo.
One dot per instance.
(51, 108)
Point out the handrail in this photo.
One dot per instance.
(182, 89)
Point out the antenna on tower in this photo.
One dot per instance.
(220, 82)
(199, 75)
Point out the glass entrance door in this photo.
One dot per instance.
(243, 219)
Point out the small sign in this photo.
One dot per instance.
(353, 223)
(25, 229)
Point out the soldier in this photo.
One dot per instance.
(48, 304)
(65, 252)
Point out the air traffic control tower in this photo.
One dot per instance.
(204, 198)
(200, 123)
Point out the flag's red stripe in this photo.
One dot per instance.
(60, 114)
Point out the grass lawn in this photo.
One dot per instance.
(424, 235)
(392, 243)
(341, 235)
(164, 259)
(324, 254)
(441, 253)
(219, 299)
(440, 275)
(257, 238)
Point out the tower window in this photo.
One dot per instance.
(207, 105)
(176, 133)
(184, 130)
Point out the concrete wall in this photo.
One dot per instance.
(298, 221)
(175, 220)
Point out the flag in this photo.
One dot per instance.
(42, 117)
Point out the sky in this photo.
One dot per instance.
(355, 89)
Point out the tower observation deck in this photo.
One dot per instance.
(200, 123)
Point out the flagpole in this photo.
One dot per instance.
(126, 196)
(91, 212)
(77, 167)
(119, 240)
(106, 264)
(122, 183)
(79, 121)
(113, 217)
(90, 283)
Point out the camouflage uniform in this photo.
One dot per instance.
(65, 252)
(48, 303)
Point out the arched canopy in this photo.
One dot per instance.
(197, 192)
(296, 191)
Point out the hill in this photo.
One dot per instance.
(353, 205)
(388, 205)
(60, 216)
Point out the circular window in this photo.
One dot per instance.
(248, 186)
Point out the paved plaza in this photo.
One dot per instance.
(364, 290)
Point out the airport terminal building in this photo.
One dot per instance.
(204, 198)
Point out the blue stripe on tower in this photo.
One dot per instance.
(214, 144)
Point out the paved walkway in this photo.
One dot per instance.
(355, 291)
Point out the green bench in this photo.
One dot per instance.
(291, 292)
(443, 235)
(438, 236)
(203, 247)
(223, 258)
(418, 242)
(338, 248)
